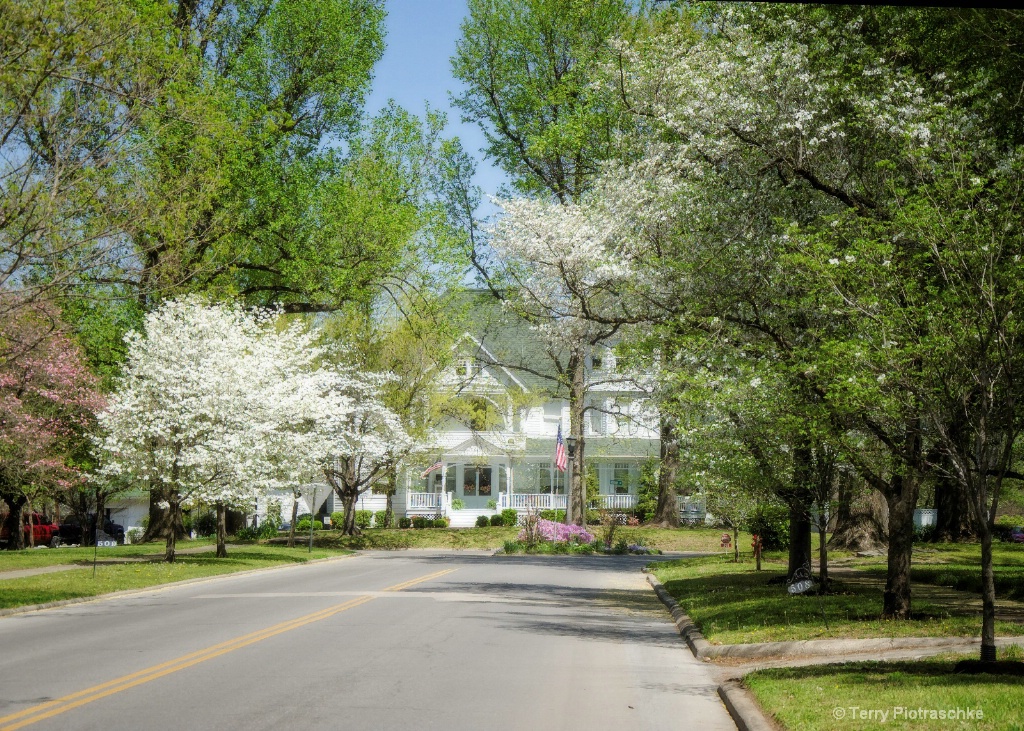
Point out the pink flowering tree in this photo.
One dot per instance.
(48, 399)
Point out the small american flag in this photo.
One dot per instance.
(432, 468)
(561, 458)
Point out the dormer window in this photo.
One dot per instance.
(596, 362)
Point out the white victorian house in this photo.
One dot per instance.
(501, 454)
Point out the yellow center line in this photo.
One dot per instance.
(66, 703)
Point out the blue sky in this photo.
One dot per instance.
(415, 69)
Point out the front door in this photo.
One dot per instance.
(477, 485)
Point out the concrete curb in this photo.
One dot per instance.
(743, 709)
(699, 646)
(804, 648)
(158, 587)
(741, 705)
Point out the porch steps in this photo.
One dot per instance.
(466, 518)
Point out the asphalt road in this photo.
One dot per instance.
(404, 640)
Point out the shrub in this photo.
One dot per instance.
(482, 521)
(134, 535)
(364, 518)
(303, 525)
(513, 547)
(497, 520)
(440, 522)
(205, 524)
(458, 503)
(647, 491)
(924, 533)
(771, 523)
(337, 519)
(380, 518)
(548, 531)
(492, 504)
(510, 517)
(419, 522)
(555, 516)
(246, 533)
(404, 522)
(267, 529)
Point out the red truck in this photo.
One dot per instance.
(42, 530)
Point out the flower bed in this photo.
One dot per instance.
(548, 530)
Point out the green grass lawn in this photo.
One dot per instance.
(733, 603)
(695, 540)
(80, 582)
(958, 565)
(830, 697)
(31, 558)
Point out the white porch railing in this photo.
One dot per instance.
(531, 501)
(615, 502)
(690, 507)
(425, 500)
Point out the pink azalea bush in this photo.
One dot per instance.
(548, 530)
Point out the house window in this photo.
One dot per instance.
(596, 362)
(620, 478)
(549, 480)
(469, 481)
(476, 481)
(502, 478)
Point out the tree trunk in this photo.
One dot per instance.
(171, 534)
(389, 505)
(348, 503)
(15, 536)
(800, 551)
(800, 501)
(295, 517)
(953, 523)
(666, 514)
(31, 527)
(576, 502)
(222, 531)
(861, 522)
(988, 595)
(163, 520)
(901, 502)
(735, 543)
(822, 554)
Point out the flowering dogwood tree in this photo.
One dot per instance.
(181, 419)
(218, 405)
(846, 223)
(560, 272)
(48, 399)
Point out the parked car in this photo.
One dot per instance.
(1016, 535)
(71, 530)
(42, 530)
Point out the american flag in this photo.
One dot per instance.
(431, 468)
(561, 458)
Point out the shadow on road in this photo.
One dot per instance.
(583, 606)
